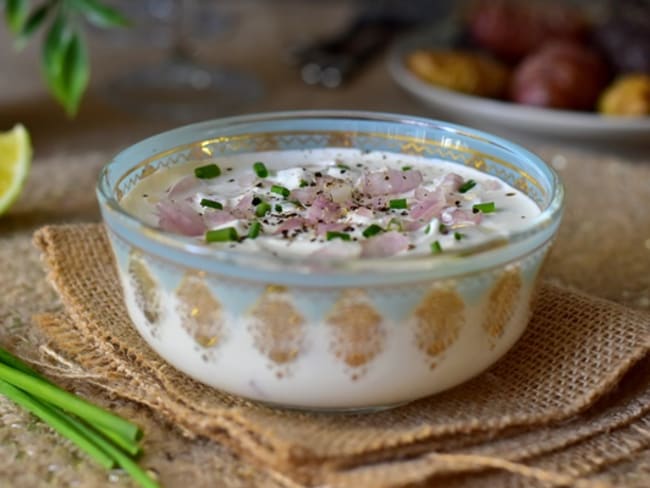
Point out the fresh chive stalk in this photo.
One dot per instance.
(467, 186)
(260, 169)
(487, 207)
(436, 248)
(372, 230)
(225, 234)
(280, 190)
(58, 422)
(205, 202)
(407, 168)
(398, 203)
(337, 235)
(342, 166)
(83, 435)
(128, 444)
(69, 402)
(207, 172)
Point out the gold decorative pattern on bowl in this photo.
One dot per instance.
(145, 288)
(277, 327)
(356, 328)
(438, 321)
(200, 312)
(502, 301)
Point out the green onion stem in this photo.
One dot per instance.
(69, 402)
(131, 467)
(59, 423)
(128, 444)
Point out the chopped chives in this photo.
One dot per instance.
(208, 171)
(372, 230)
(222, 235)
(398, 203)
(280, 190)
(436, 247)
(278, 208)
(407, 168)
(467, 186)
(442, 228)
(304, 183)
(254, 230)
(337, 235)
(487, 207)
(427, 229)
(260, 169)
(211, 203)
(458, 236)
(394, 224)
(342, 166)
(262, 209)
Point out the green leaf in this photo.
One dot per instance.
(101, 15)
(75, 74)
(33, 22)
(54, 50)
(15, 14)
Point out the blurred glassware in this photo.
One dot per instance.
(180, 87)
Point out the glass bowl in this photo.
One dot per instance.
(348, 334)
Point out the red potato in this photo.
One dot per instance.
(560, 75)
(512, 30)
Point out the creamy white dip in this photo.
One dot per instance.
(330, 202)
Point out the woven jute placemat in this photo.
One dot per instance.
(575, 351)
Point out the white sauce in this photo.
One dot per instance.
(290, 169)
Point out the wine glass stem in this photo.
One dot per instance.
(182, 28)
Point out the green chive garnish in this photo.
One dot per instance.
(487, 207)
(254, 230)
(262, 209)
(260, 169)
(372, 230)
(337, 235)
(436, 247)
(399, 203)
(303, 183)
(442, 228)
(207, 172)
(342, 166)
(427, 229)
(458, 236)
(278, 208)
(211, 203)
(407, 168)
(467, 186)
(280, 190)
(222, 235)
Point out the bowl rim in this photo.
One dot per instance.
(301, 264)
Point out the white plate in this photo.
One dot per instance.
(530, 123)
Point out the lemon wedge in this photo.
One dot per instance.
(15, 160)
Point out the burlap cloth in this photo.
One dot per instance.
(569, 405)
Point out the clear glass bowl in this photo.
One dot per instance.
(333, 335)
